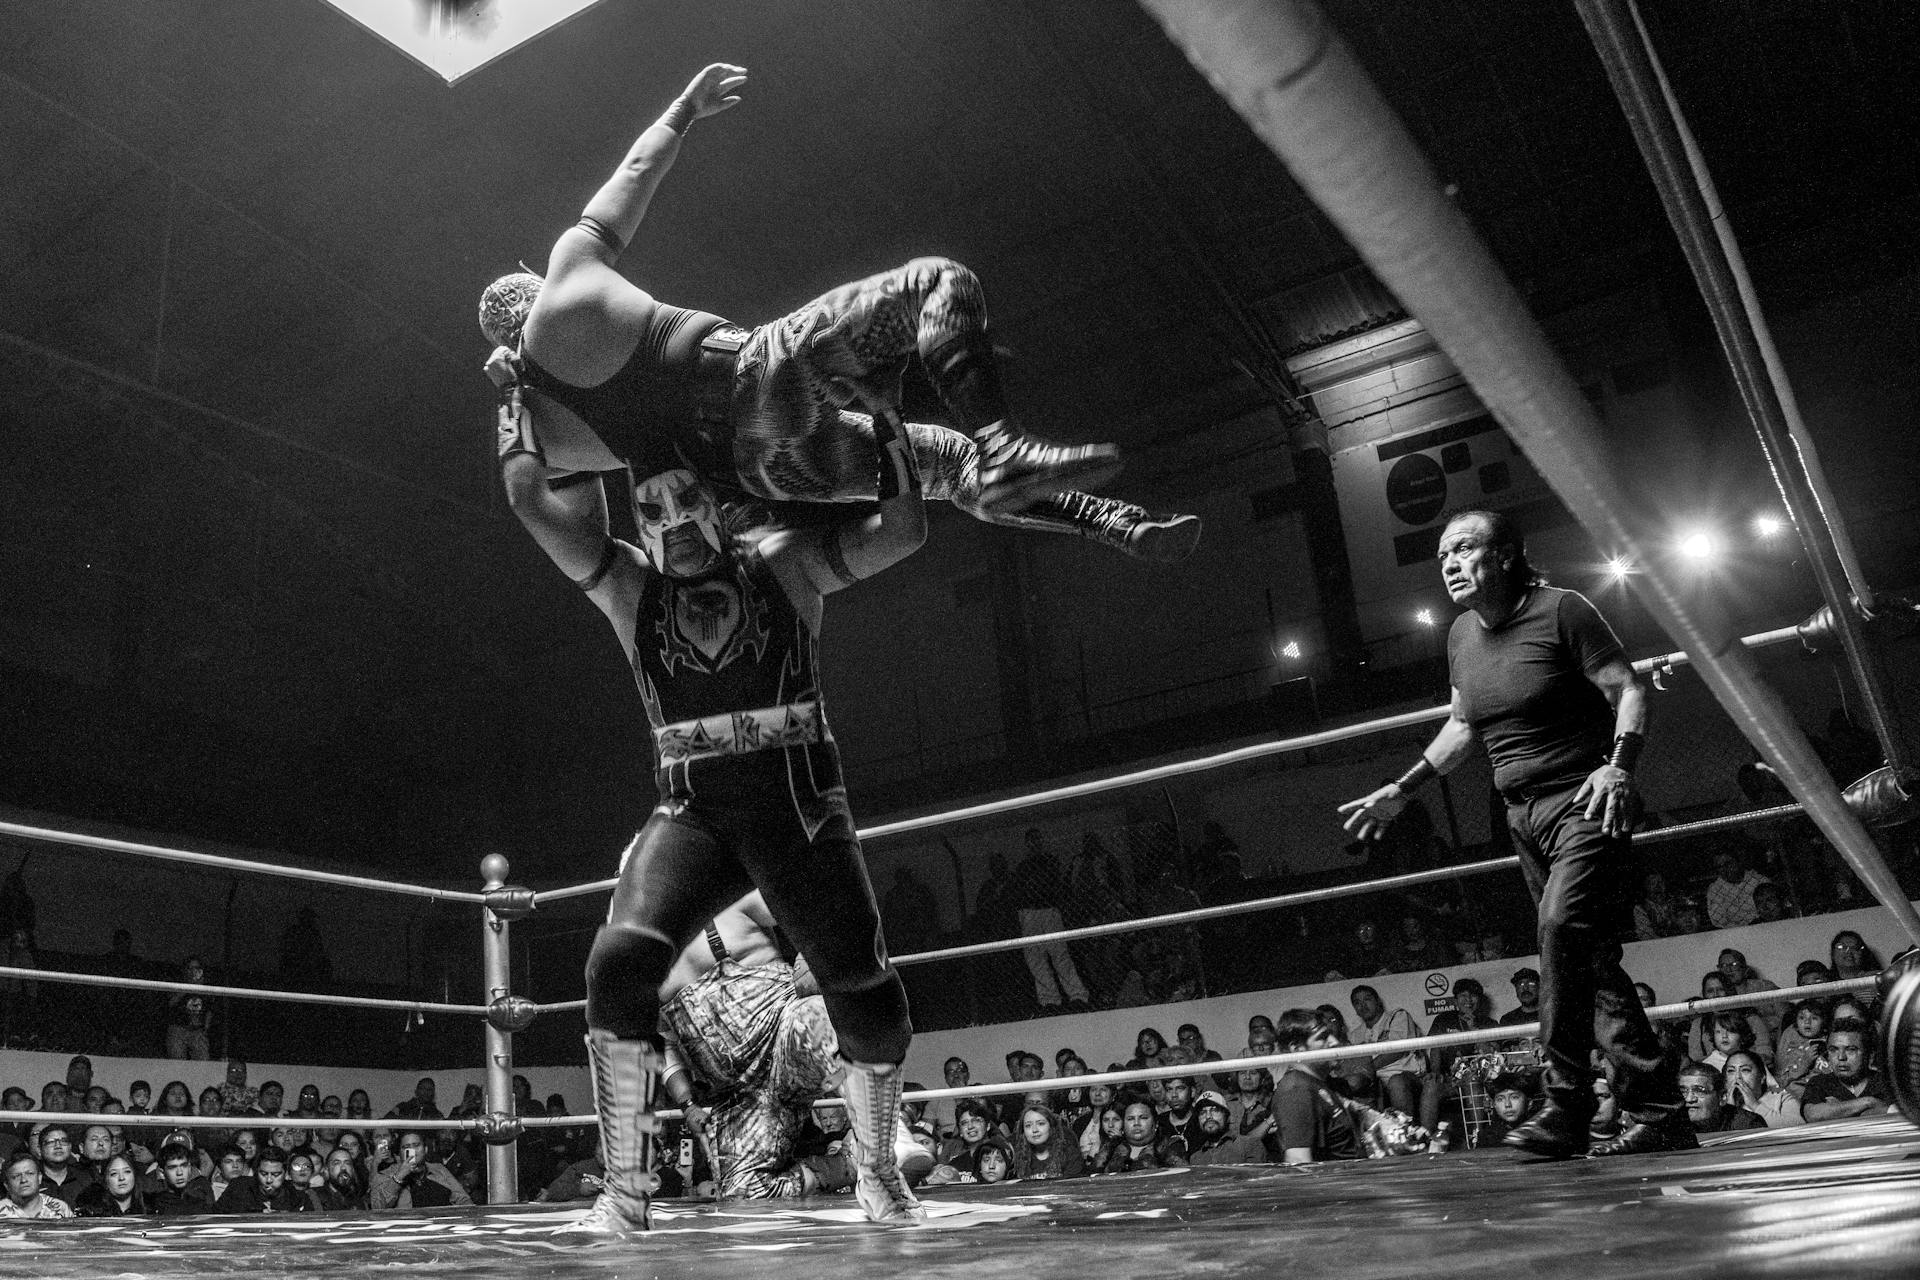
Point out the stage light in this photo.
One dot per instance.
(1424, 617)
(1701, 546)
(1768, 526)
(1619, 567)
(1291, 649)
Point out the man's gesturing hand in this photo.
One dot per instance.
(715, 89)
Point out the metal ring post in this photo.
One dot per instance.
(503, 1171)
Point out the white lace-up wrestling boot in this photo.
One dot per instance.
(872, 1094)
(623, 1073)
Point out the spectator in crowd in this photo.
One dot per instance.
(1802, 1043)
(1526, 990)
(1750, 1086)
(345, 1188)
(210, 1105)
(116, 1195)
(139, 1098)
(273, 1097)
(581, 1180)
(230, 1166)
(1259, 1032)
(1251, 1102)
(414, 1182)
(360, 1106)
(1849, 956)
(420, 1106)
(182, 1189)
(1730, 892)
(974, 1125)
(1398, 1073)
(1728, 1032)
(1705, 1090)
(1037, 894)
(1147, 1048)
(236, 1097)
(1689, 916)
(1471, 1012)
(1417, 951)
(1190, 1039)
(304, 1170)
(1216, 1139)
(1141, 1146)
(96, 1148)
(994, 1162)
(1700, 1032)
(1365, 956)
(1851, 1087)
(1809, 972)
(53, 1096)
(1743, 981)
(175, 1100)
(1511, 1098)
(79, 1075)
(190, 1017)
(63, 1177)
(266, 1190)
(1311, 1125)
(1769, 904)
(1106, 1130)
(1656, 914)
(1177, 1120)
(942, 1111)
(25, 1197)
(1350, 1076)
(1044, 1149)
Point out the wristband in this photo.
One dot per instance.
(678, 116)
(1416, 776)
(899, 468)
(1626, 751)
(515, 429)
(599, 573)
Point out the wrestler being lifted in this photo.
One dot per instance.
(784, 411)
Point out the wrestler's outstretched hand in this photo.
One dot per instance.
(715, 89)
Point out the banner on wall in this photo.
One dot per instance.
(1394, 492)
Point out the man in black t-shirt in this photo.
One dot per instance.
(1539, 678)
(1310, 1125)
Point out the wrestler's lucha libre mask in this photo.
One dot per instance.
(504, 307)
(679, 523)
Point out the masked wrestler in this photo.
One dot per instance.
(720, 626)
(948, 463)
(749, 1048)
(761, 409)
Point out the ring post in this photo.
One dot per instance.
(503, 1174)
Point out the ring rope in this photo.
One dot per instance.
(245, 993)
(164, 854)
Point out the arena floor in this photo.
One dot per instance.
(1823, 1201)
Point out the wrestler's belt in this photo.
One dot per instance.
(738, 732)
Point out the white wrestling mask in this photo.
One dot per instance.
(679, 521)
(504, 307)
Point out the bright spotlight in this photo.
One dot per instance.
(1291, 650)
(1699, 546)
(1768, 526)
(1619, 567)
(1424, 617)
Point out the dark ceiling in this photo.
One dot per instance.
(251, 518)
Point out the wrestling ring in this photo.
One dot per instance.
(1836, 1199)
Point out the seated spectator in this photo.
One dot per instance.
(1730, 892)
(1526, 990)
(1417, 950)
(1216, 1140)
(1471, 1011)
(1672, 1032)
(1511, 1098)
(53, 1096)
(1700, 1030)
(1849, 956)
(1769, 904)
(1365, 955)
(139, 1098)
(1140, 1145)
(304, 1169)
(1704, 1090)
(267, 1191)
(943, 1111)
(360, 1106)
(25, 1198)
(1147, 1048)
(230, 1166)
(1851, 1087)
(1803, 1041)
(61, 1176)
(1102, 1132)
(994, 1163)
(181, 1189)
(116, 1195)
(1177, 1120)
(345, 1187)
(210, 1105)
(1044, 1149)
(1655, 914)
(1606, 1110)
(236, 1098)
(1728, 1032)
(175, 1100)
(1310, 1122)
(1073, 1105)
(414, 1182)
(1350, 1076)
(96, 1148)
(581, 1180)
(1259, 1036)
(1195, 1044)
(1689, 916)
(420, 1106)
(273, 1096)
(1752, 1087)
(1398, 1073)
(1743, 981)
(248, 1140)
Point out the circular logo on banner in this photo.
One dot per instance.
(1436, 984)
(1416, 488)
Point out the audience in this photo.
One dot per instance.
(1850, 1087)
(1704, 1090)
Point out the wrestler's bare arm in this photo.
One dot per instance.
(582, 326)
(570, 524)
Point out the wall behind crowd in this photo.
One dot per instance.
(1673, 967)
(386, 1088)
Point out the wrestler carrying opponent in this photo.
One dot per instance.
(767, 410)
(1539, 677)
(749, 1049)
(720, 627)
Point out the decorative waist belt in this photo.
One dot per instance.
(713, 392)
(735, 733)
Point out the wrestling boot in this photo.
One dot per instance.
(1157, 539)
(872, 1094)
(623, 1072)
(1650, 1132)
(1554, 1132)
(1016, 470)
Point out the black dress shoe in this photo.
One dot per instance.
(1554, 1132)
(1639, 1138)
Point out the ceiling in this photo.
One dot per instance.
(252, 497)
